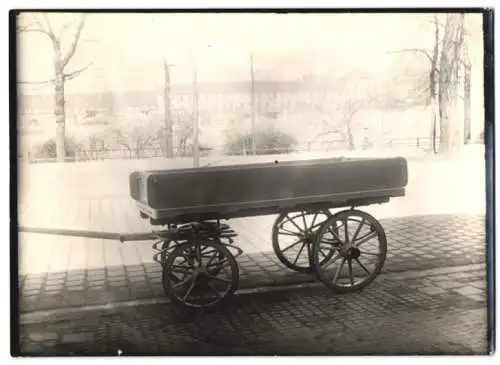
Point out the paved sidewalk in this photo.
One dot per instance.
(418, 242)
(425, 313)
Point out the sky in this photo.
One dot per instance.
(126, 49)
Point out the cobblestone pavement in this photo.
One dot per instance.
(440, 312)
(415, 243)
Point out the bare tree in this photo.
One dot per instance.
(136, 138)
(340, 117)
(450, 66)
(448, 59)
(184, 132)
(467, 95)
(432, 56)
(62, 57)
(252, 105)
(168, 136)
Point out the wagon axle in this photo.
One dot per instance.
(350, 252)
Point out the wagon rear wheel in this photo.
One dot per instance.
(205, 272)
(359, 258)
(293, 237)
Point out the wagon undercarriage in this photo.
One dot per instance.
(345, 250)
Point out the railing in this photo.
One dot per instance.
(422, 143)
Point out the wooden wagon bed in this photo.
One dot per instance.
(225, 192)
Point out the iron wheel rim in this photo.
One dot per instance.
(206, 267)
(354, 265)
(294, 243)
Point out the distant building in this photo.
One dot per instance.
(298, 107)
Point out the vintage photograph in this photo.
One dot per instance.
(252, 183)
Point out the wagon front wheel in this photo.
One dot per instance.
(205, 271)
(293, 237)
(358, 259)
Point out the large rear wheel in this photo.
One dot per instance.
(293, 237)
(359, 257)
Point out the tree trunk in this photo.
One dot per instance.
(252, 111)
(59, 111)
(433, 86)
(435, 119)
(451, 132)
(350, 138)
(467, 103)
(169, 145)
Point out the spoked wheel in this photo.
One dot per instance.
(294, 234)
(359, 257)
(200, 274)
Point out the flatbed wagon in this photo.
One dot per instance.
(345, 249)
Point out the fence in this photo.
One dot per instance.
(95, 154)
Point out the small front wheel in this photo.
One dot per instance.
(200, 274)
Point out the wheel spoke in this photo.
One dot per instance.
(205, 248)
(370, 253)
(222, 264)
(332, 260)
(180, 267)
(190, 289)
(298, 255)
(304, 221)
(339, 270)
(211, 286)
(212, 258)
(346, 229)
(288, 232)
(358, 230)
(179, 270)
(292, 245)
(206, 254)
(335, 233)
(365, 238)
(317, 225)
(314, 220)
(198, 254)
(362, 266)
(220, 280)
(182, 283)
(188, 260)
(295, 224)
(349, 264)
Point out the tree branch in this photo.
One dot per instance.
(47, 22)
(76, 73)
(67, 76)
(28, 29)
(65, 27)
(73, 45)
(415, 50)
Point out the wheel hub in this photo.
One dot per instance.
(309, 237)
(349, 252)
(200, 271)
